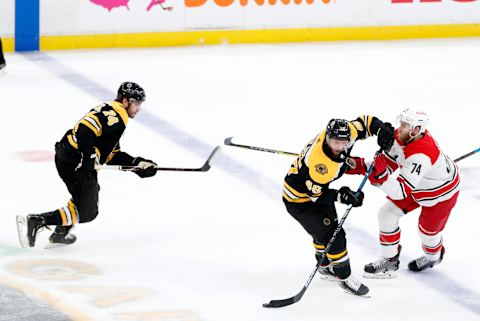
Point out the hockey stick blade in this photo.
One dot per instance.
(228, 141)
(284, 302)
(204, 168)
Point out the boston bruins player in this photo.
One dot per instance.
(94, 139)
(310, 200)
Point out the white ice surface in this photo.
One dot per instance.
(217, 245)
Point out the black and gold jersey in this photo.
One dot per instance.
(315, 168)
(99, 132)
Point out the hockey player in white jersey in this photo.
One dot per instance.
(428, 179)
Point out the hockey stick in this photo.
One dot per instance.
(204, 168)
(467, 155)
(228, 142)
(299, 295)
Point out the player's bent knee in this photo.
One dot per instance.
(87, 215)
(389, 214)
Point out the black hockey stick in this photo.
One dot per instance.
(204, 168)
(228, 142)
(299, 295)
(467, 155)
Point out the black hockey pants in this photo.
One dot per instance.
(320, 221)
(84, 195)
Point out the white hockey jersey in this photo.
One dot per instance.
(425, 173)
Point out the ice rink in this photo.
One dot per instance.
(214, 246)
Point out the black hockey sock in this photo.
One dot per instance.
(342, 270)
(53, 218)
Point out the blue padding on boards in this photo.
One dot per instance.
(27, 25)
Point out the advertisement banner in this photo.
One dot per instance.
(76, 17)
(7, 18)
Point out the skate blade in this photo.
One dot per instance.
(22, 231)
(328, 278)
(365, 296)
(387, 275)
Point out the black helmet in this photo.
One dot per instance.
(131, 91)
(339, 129)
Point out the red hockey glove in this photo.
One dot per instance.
(380, 172)
(356, 166)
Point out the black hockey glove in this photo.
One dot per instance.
(386, 136)
(146, 167)
(346, 196)
(85, 173)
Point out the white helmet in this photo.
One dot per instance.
(414, 118)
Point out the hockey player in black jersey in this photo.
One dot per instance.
(95, 139)
(310, 200)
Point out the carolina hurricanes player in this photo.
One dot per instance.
(428, 179)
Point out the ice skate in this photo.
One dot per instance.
(423, 263)
(61, 237)
(383, 268)
(353, 286)
(326, 273)
(28, 228)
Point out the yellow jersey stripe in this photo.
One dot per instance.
(72, 142)
(109, 158)
(118, 107)
(97, 152)
(353, 131)
(89, 125)
(296, 200)
(294, 191)
(95, 118)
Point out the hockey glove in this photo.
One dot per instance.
(146, 167)
(386, 136)
(380, 172)
(85, 172)
(356, 166)
(346, 196)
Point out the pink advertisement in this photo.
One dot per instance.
(112, 4)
